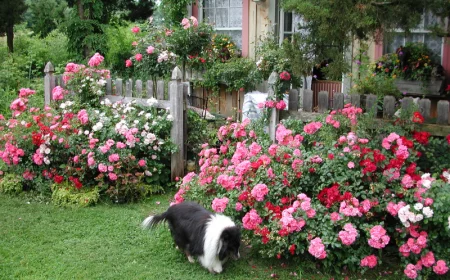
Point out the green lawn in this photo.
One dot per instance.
(41, 241)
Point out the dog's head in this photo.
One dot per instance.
(230, 241)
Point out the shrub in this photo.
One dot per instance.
(121, 149)
(65, 194)
(347, 201)
(11, 184)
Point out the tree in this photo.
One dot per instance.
(331, 26)
(10, 13)
(43, 16)
(86, 25)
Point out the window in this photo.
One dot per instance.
(226, 15)
(418, 34)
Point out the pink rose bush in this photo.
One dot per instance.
(334, 192)
(87, 83)
(119, 149)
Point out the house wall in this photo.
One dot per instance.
(259, 23)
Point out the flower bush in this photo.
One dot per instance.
(333, 190)
(120, 149)
(87, 83)
(152, 57)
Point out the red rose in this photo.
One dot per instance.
(417, 117)
(421, 137)
(448, 139)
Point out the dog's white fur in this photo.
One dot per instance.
(210, 259)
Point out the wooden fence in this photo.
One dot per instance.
(125, 91)
(437, 126)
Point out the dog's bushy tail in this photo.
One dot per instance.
(152, 221)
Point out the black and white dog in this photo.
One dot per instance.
(199, 233)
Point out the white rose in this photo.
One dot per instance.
(428, 212)
(418, 206)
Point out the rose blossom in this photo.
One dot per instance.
(259, 191)
(219, 204)
(369, 261)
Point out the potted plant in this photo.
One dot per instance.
(414, 69)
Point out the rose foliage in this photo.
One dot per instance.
(328, 191)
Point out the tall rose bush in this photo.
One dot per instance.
(330, 190)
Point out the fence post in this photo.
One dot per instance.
(307, 100)
(49, 82)
(275, 114)
(338, 101)
(323, 101)
(442, 112)
(176, 134)
(388, 106)
(371, 104)
(293, 100)
(425, 108)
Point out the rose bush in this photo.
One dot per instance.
(332, 188)
(121, 149)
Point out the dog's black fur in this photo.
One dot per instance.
(190, 223)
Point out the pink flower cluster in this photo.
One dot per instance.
(58, 93)
(329, 120)
(83, 116)
(280, 105)
(348, 235)
(393, 208)
(378, 237)
(414, 245)
(25, 92)
(186, 23)
(317, 249)
(387, 142)
(260, 191)
(350, 208)
(11, 154)
(96, 60)
(18, 106)
(312, 127)
(351, 112)
(219, 204)
(251, 220)
(369, 261)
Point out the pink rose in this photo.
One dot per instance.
(185, 23)
(135, 29)
(369, 261)
(219, 204)
(259, 191)
(112, 176)
(138, 57)
(95, 60)
(128, 63)
(150, 49)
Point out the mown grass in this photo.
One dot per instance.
(41, 241)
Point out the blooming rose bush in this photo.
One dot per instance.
(121, 149)
(88, 83)
(330, 190)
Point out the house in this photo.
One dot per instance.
(247, 20)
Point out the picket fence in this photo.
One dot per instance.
(123, 91)
(304, 109)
